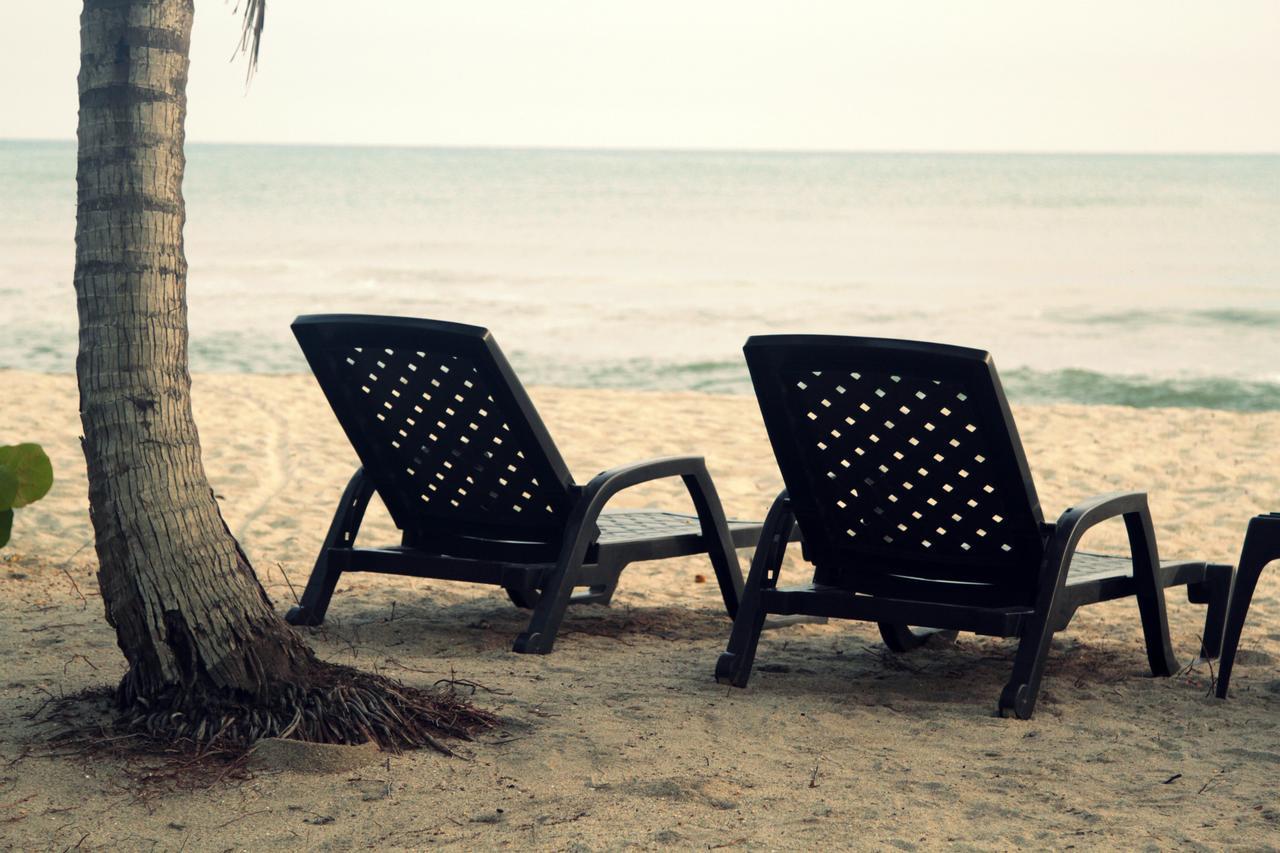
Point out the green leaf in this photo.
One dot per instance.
(6, 525)
(32, 468)
(8, 488)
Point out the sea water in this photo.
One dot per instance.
(1140, 280)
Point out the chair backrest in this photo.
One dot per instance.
(903, 466)
(445, 431)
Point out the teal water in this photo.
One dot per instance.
(1138, 280)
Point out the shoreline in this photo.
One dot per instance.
(1025, 387)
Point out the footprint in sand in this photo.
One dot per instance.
(277, 473)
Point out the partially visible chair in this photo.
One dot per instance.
(916, 507)
(1261, 546)
(454, 447)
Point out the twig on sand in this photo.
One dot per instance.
(17, 802)
(62, 567)
(473, 685)
(24, 754)
(50, 698)
(1213, 678)
(399, 665)
(73, 658)
(319, 818)
(1190, 667)
(21, 815)
(50, 627)
(352, 646)
(242, 817)
(292, 591)
(1212, 780)
(76, 846)
(84, 602)
(453, 681)
(548, 820)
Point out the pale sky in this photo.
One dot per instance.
(984, 75)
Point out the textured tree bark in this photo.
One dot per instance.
(188, 611)
(210, 662)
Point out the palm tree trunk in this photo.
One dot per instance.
(209, 659)
(186, 606)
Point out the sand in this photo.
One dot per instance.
(621, 737)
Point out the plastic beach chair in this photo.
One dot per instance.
(448, 438)
(916, 508)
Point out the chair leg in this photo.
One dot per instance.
(734, 664)
(1215, 592)
(716, 536)
(310, 611)
(1261, 546)
(1018, 698)
(1241, 596)
(1150, 594)
(540, 636)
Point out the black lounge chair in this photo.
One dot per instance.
(915, 505)
(1261, 546)
(450, 441)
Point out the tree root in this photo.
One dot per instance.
(329, 703)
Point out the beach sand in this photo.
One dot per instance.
(621, 737)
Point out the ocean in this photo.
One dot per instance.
(1129, 279)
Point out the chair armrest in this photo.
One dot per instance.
(1077, 519)
(608, 483)
(1019, 695)
(581, 528)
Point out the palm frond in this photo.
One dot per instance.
(255, 13)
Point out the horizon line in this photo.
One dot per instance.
(642, 149)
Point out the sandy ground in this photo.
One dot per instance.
(621, 737)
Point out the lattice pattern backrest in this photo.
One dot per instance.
(446, 451)
(906, 466)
